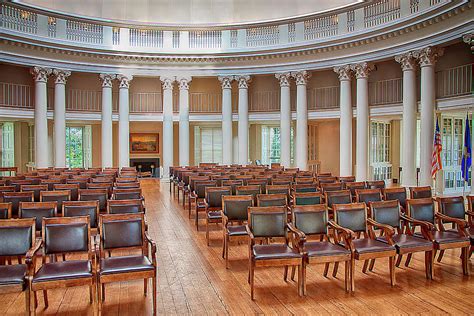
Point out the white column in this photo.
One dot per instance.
(184, 120)
(427, 59)
(285, 119)
(345, 127)
(106, 148)
(408, 64)
(41, 120)
(301, 148)
(60, 117)
(362, 146)
(227, 138)
(124, 123)
(243, 119)
(167, 155)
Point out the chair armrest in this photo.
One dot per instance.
(388, 230)
(30, 257)
(192, 195)
(299, 235)
(249, 232)
(426, 227)
(460, 223)
(469, 213)
(153, 247)
(225, 219)
(347, 234)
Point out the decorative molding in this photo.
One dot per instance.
(469, 39)
(428, 56)
(40, 74)
(284, 78)
(243, 81)
(344, 72)
(61, 76)
(124, 81)
(301, 77)
(407, 61)
(107, 80)
(184, 82)
(167, 82)
(226, 81)
(363, 69)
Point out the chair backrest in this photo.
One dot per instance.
(124, 206)
(335, 186)
(15, 198)
(347, 179)
(235, 207)
(470, 203)
(420, 192)
(73, 188)
(55, 196)
(311, 219)
(103, 179)
(244, 178)
(7, 188)
(63, 235)
(37, 210)
(18, 183)
(17, 236)
(126, 194)
(368, 195)
(124, 178)
(5, 210)
(213, 196)
(307, 198)
(268, 221)
(398, 194)
(279, 189)
(304, 180)
(352, 186)
(122, 231)
(233, 184)
(327, 179)
(94, 194)
(338, 197)
(282, 181)
(376, 184)
(352, 216)
(82, 183)
(260, 182)
(200, 187)
(264, 200)
(82, 208)
(127, 185)
(305, 188)
(386, 212)
(194, 179)
(421, 209)
(100, 185)
(35, 188)
(452, 206)
(50, 183)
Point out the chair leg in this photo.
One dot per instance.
(99, 296)
(334, 271)
(251, 276)
(226, 245)
(465, 267)
(293, 273)
(364, 268)
(145, 286)
(429, 265)
(91, 294)
(326, 269)
(407, 262)
(346, 276)
(300, 280)
(45, 298)
(303, 280)
(196, 219)
(399, 260)
(391, 262)
(440, 256)
(28, 301)
(103, 292)
(35, 300)
(207, 232)
(372, 264)
(353, 275)
(153, 280)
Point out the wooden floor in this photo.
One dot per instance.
(192, 279)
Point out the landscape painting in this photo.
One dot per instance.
(144, 143)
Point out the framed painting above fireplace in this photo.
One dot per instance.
(144, 143)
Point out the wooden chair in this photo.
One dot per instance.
(264, 200)
(233, 184)
(375, 184)
(82, 183)
(55, 196)
(7, 188)
(127, 185)
(101, 185)
(252, 190)
(82, 208)
(198, 196)
(368, 195)
(126, 178)
(397, 194)
(35, 188)
(191, 187)
(213, 206)
(269, 223)
(125, 206)
(347, 179)
(127, 194)
(6, 210)
(61, 236)
(327, 180)
(245, 178)
(353, 218)
(260, 182)
(307, 198)
(353, 186)
(389, 213)
(282, 181)
(38, 210)
(421, 212)
(15, 198)
(128, 267)
(94, 195)
(337, 197)
(234, 215)
(420, 192)
(50, 183)
(329, 187)
(18, 183)
(300, 188)
(279, 189)
(313, 221)
(18, 240)
(470, 216)
(304, 180)
(74, 188)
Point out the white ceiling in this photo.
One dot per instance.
(190, 11)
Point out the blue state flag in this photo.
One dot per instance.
(466, 156)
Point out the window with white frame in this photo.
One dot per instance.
(271, 144)
(380, 151)
(207, 144)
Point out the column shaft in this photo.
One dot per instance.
(60, 117)
(285, 119)
(167, 126)
(409, 128)
(41, 119)
(184, 121)
(345, 130)
(124, 121)
(107, 140)
(427, 123)
(301, 127)
(243, 128)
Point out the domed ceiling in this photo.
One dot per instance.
(189, 11)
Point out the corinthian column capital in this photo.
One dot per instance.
(61, 76)
(226, 81)
(107, 80)
(167, 82)
(407, 61)
(301, 77)
(469, 39)
(124, 81)
(428, 56)
(184, 82)
(344, 72)
(243, 81)
(40, 74)
(362, 70)
(284, 79)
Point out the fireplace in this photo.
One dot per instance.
(151, 164)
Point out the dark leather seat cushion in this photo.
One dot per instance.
(237, 230)
(324, 248)
(64, 270)
(113, 265)
(445, 237)
(274, 251)
(407, 241)
(366, 245)
(12, 274)
(214, 215)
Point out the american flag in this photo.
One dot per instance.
(437, 148)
